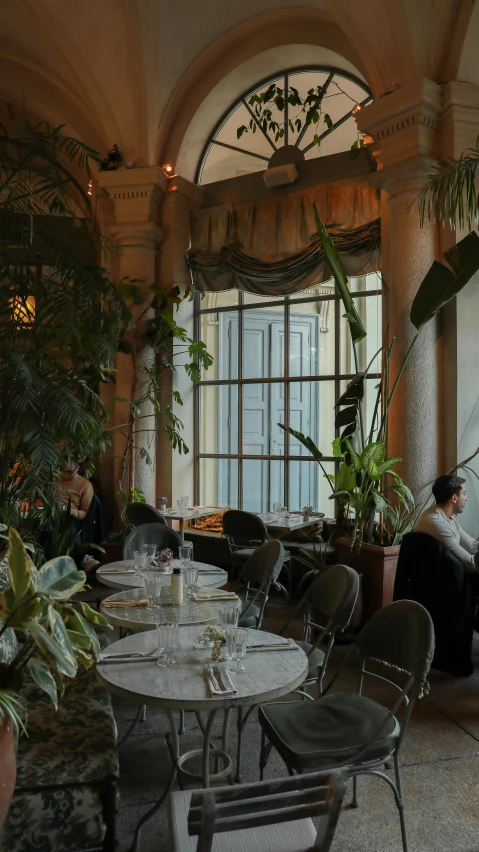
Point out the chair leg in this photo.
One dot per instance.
(264, 754)
(399, 802)
(354, 803)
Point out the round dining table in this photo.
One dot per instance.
(121, 575)
(267, 675)
(137, 617)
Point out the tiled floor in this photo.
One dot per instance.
(440, 770)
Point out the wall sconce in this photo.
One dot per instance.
(168, 169)
(90, 187)
(23, 310)
(356, 108)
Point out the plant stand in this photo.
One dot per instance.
(378, 568)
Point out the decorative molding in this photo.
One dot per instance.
(460, 122)
(135, 193)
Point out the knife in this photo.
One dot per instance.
(219, 677)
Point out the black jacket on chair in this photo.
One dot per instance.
(428, 573)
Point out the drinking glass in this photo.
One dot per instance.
(150, 552)
(236, 647)
(179, 504)
(167, 642)
(186, 500)
(185, 553)
(228, 616)
(191, 579)
(152, 582)
(139, 561)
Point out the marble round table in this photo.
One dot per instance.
(116, 578)
(144, 618)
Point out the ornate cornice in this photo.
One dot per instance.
(135, 193)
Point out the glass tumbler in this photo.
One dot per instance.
(152, 581)
(150, 552)
(185, 553)
(191, 579)
(228, 616)
(139, 561)
(236, 647)
(167, 643)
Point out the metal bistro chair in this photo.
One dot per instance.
(261, 570)
(159, 534)
(334, 594)
(274, 815)
(351, 730)
(142, 513)
(245, 532)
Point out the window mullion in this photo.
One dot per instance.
(286, 399)
(240, 400)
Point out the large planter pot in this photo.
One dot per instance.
(113, 552)
(378, 568)
(8, 767)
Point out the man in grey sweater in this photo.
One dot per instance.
(441, 522)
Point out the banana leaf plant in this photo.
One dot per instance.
(56, 636)
(357, 444)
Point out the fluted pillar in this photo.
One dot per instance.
(136, 195)
(404, 131)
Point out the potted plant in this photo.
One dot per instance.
(361, 484)
(43, 635)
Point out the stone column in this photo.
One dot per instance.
(404, 131)
(136, 195)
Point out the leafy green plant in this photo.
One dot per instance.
(450, 193)
(56, 636)
(309, 113)
(314, 561)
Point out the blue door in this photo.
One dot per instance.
(263, 408)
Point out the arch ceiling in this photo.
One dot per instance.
(134, 73)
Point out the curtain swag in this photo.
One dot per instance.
(271, 246)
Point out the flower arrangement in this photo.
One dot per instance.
(165, 555)
(162, 502)
(308, 510)
(211, 634)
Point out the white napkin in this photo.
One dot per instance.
(116, 571)
(230, 690)
(214, 595)
(290, 645)
(125, 603)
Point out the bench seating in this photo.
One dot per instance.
(67, 769)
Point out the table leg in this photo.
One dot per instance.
(168, 788)
(239, 725)
(182, 530)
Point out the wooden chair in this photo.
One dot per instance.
(274, 815)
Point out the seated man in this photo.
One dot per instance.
(440, 521)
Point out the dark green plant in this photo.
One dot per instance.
(450, 193)
(56, 636)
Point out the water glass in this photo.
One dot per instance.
(276, 508)
(150, 552)
(236, 647)
(139, 561)
(185, 553)
(152, 581)
(228, 616)
(191, 579)
(167, 643)
(186, 500)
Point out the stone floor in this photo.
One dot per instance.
(440, 772)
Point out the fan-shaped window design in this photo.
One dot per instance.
(226, 155)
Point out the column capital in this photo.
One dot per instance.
(136, 193)
(460, 121)
(404, 125)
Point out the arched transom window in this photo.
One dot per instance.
(253, 129)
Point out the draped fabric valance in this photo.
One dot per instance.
(271, 246)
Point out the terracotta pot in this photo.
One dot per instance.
(8, 767)
(378, 568)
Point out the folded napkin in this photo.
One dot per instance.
(125, 603)
(116, 571)
(290, 645)
(214, 595)
(128, 658)
(214, 683)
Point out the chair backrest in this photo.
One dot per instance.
(142, 513)
(244, 527)
(316, 795)
(159, 534)
(334, 593)
(261, 569)
(400, 635)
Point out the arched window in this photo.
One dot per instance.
(226, 156)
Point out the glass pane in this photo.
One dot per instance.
(218, 484)
(219, 332)
(218, 419)
(324, 289)
(311, 341)
(263, 343)
(263, 484)
(363, 283)
(222, 299)
(369, 309)
(311, 406)
(263, 409)
(255, 298)
(309, 487)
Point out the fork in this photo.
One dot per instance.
(209, 673)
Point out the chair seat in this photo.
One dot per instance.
(251, 617)
(284, 837)
(328, 732)
(315, 660)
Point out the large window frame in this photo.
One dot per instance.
(337, 377)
